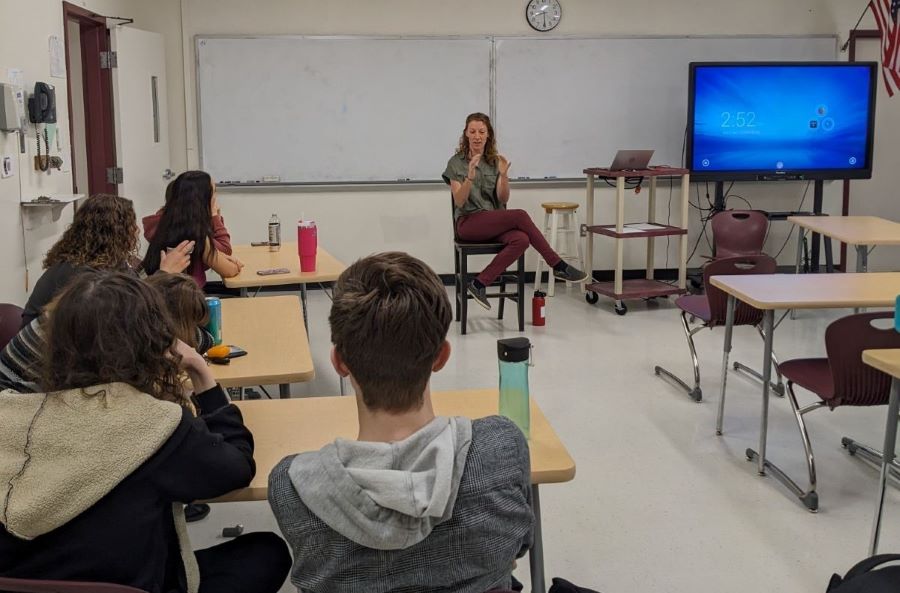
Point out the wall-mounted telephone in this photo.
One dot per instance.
(42, 105)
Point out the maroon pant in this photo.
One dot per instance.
(514, 229)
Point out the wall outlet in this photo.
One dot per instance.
(6, 167)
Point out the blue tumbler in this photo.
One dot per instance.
(514, 355)
(897, 314)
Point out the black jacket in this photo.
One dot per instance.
(128, 536)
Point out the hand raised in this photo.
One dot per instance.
(473, 165)
(174, 261)
(503, 165)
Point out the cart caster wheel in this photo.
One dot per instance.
(621, 308)
(591, 297)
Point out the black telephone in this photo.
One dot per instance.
(42, 105)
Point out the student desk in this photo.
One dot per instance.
(271, 330)
(886, 361)
(284, 427)
(260, 258)
(770, 292)
(860, 231)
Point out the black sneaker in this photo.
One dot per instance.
(195, 511)
(570, 274)
(479, 295)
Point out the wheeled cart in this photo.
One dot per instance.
(648, 287)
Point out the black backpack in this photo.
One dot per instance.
(863, 578)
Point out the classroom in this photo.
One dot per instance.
(338, 118)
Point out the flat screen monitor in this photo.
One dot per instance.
(781, 120)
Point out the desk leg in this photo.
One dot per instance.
(862, 265)
(243, 293)
(800, 235)
(726, 351)
(536, 555)
(343, 385)
(829, 255)
(284, 391)
(303, 301)
(769, 329)
(890, 442)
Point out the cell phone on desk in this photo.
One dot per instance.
(236, 351)
(258, 243)
(273, 271)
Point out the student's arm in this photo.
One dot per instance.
(221, 236)
(227, 266)
(503, 179)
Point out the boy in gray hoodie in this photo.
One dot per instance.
(418, 502)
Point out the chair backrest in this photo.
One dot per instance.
(739, 232)
(39, 586)
(10, 322)
(855, 382)
(744, 314)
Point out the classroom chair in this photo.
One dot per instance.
(710, 309)
(560, 222)
(461, 252)
(841, 379)
(10, 322)
(8, 585)
(739, 232)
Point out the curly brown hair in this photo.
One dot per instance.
(109, 327)
(490, 147)
(103, 235)
(185, 301)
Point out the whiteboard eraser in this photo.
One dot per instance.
(271, 178)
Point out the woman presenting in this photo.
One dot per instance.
(479, 181)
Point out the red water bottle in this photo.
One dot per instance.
(537, 308)
(307, 243)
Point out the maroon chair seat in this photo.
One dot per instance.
(739, 232)
(8, 585)
(710, 308)
(812, 374)
(842, 379)
(696, 305)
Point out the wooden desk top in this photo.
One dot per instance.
(652, 172)
(853, 230)
(886, 360)
(271, 330)
(284, 427)
(260, 258)
(813, 291)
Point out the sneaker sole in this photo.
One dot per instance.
(485, 306)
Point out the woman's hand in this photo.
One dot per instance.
(503, 165)
(473, 166)
(196, 368)
(214, 206)
(174, 261)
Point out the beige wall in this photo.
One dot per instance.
(24, 239)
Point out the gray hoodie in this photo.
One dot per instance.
(446, 509)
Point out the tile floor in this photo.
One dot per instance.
(659, 502)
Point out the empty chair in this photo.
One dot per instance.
(842, 379)
(10, 322)
(739, 232)
(8, 585)
(710, 309)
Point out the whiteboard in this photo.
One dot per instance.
(566, 104)
(336, 109)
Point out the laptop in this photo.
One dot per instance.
(631, 160)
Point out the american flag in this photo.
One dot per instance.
(885, 12)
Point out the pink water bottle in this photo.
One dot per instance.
(307, 242)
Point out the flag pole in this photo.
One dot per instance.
(855, 27)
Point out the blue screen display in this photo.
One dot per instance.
(780, 118)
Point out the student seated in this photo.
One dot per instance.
(417, 502)
(20, 359)
(96, 469)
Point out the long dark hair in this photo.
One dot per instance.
(103, 234)
(186, 216)
(109, 327)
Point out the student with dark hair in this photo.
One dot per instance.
(103, 235)
(96, 469)
(191, 212)
(418, 502)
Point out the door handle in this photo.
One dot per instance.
(167, 174)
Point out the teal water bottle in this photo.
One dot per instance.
(514, 355)
(897, 314)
